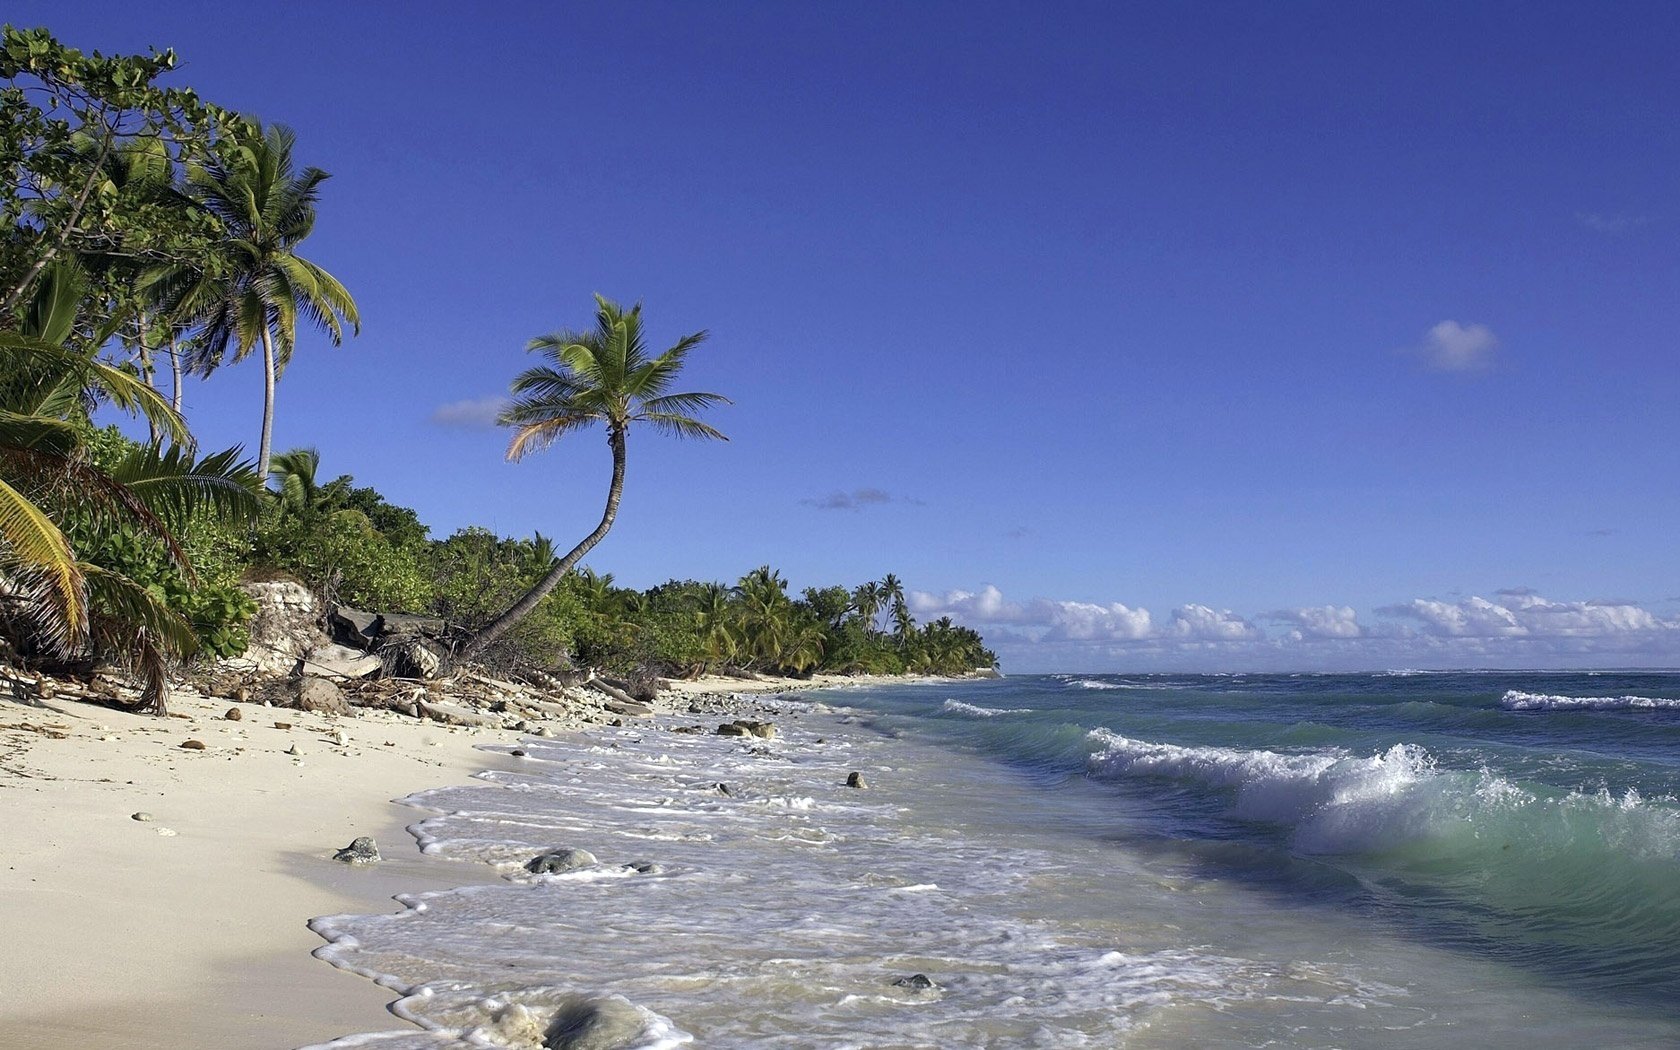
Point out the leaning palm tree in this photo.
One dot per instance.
(607, 377)
(252, 287)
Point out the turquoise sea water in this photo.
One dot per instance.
(1398, 860)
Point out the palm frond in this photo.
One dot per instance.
(126, 392)
(534, 437)
(37, 555)
(675, 425)
(135, 627)
(176, 487)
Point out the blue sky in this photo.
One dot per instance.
(1257, 309)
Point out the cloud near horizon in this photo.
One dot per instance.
(476, 413)
(1515, 627)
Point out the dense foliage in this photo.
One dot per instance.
(140, 224)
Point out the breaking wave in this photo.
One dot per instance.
(1515, 700)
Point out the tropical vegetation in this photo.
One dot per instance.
(140, 225)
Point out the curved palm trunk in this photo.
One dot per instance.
(518, 610)
(268, 404)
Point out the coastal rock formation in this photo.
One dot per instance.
(559, 861)
(285, 627)
(594, 1024)
(361, 851)
(405, 645)
(317, 695)
(341, 661)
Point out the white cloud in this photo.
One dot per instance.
(1084, 622)
(1321, 621)
(475, 412)
(983, 606)
(1523, 614)
(1453, 347)
(1514, 628)
(1200, 623)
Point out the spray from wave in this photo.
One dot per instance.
(957, 707)
(1515, 700)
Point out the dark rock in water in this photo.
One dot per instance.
(746, 727)
(517, 752)
(193, 745)
(855, 780)
(723, 789)
(317, 695)
(557, 861)
(361, 851)
(594, 1024)
(918, 982)
(234, 714)
(643, 867)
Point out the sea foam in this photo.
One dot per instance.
(1515, 700)
(957, 707)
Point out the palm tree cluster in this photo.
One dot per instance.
(683, 627)
(135, 222)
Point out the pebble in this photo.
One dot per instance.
(362, 850)
(293, 750)
(193, 745)
(142, 816)
(167, 833)
(517, 752)
(282, 725)
(234, 714)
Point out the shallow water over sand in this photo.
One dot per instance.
(1048, 909)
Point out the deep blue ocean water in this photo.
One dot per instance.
(1526, 817)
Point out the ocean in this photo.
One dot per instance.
(1401, 860)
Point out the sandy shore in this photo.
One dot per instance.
(188, 930)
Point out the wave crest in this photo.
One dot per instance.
(1516, 700)
(957, 707)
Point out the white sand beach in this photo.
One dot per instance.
(188, 929)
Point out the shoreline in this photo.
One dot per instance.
(191, 927)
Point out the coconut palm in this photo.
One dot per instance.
(606, 377)
(866, 599)
(253, 286)
(892, 599)
(716, 621)
(296, 493)
(47, 480)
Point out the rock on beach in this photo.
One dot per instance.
(559, 861)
